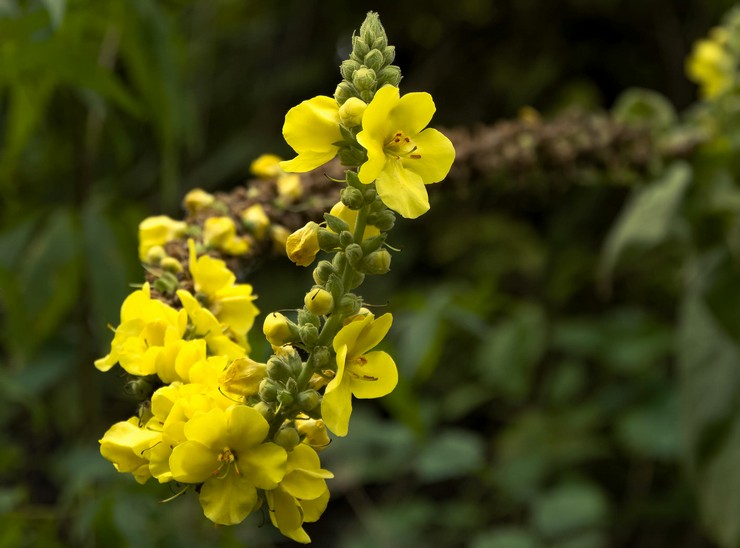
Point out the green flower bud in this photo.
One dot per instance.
(389, 54)
(305, 316)
(350, 304)
(287, 437)
(265, 410)
(284, 397)
(372, 244)
(155, 254)
(367, 96)
(345, 238)
(290, 356)
(350, 113)
(338, 263)
(328, 240)
(389, 75)
(380, 42)
(344, 91)
(360, 48)
(371, 28)
(278, 370)
(353, 179)
(279, 330)
(166, 284)
(374, 60)
(383, 220)
(308, 399)
(309, 334)
(357, 279)
(377, 262)
(321, 357)
(370, 195)
(364, 79)
(319, 301)
(335, 287)
(354, 255)
(322, 271)
(268, 390)
(348, 68)
(335, 224)
(352, 198)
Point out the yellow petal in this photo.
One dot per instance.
(245, 427)
(306, 480)
(402, 190)
(437, 156)
(308, 160)
(336, 405)
(362, 335)
(376, 122)
(208, 429)
(312, 509)
(286, 515)
(413, 113)
(263, 465)
(193, 462)
(310, 129)
(229, 500)
(374, 375)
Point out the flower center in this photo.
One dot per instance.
(402, 146)
(355, 368)
(225, 459)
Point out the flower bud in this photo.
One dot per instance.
(377, 262)
(364, 79)
(290, 356)
(289, 186)
(350, 113)
(338, 262)
(389, 54)
(306, 316)
(243, 376)
(285, 397)
(279, 235)
(170, 264)
(309, 334)
(328, 240)
(321, 357)
(367, 96)
(369, 195)
(267, 166)
(255, 220)
(155, 255)
(308, 399)
(335, 223)
(314, 433)
(220, 232)
(322, 272)
(287, 437)
(166, 284)
(279, 330)
(345, 239)
(158, 231)
(265, 410)
(348, 68)
(372, 244)
(357, 279)
(350, 304)
(268, 390)
(303, 245)
(354, 255)
(319, 301)
(383, 220)
(197, 200)
(389, 75)
(344, 91)
(352, 198)
(360, 48)
(374, 60)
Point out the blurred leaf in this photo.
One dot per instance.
(653, 430)
(508, 356)
(647, 219)
(505, 537)
(721, 290)
(56, 9)
(569, 508)
(450, 454)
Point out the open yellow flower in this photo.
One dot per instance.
(360, 373)
(402, 156)
(126, 445)
(225, 451)
(311, 129)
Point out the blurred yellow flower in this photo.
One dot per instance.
(157, 231)
(711, 66)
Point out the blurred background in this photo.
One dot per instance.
(538, 406)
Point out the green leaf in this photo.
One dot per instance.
(450, 454)
(56, 9)
(569, 508)
(648, 218)
(643, 107)
(505, 537)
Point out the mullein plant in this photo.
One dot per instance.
(246, 435)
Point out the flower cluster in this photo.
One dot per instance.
(243, 434)
(714, 61)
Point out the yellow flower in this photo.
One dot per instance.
(197, 199)
(225, 452)
(712, 67)
(230, 302)
(313, 433)
(243, 376)
(303, 245)
(301, 496)
(126, 445)
(207, 326)
(147, 326)
(158, 231)
(267, 166)
(220, 233)
(311, 129)
(256, 220)
(401, 158)
(359, 373)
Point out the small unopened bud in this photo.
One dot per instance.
(360, 48)
(279, 330)
(278, 370)
(319, 301)
(354, 255)
(197, 200)
(290, 356)
(303, 245)
(321, 357)
(348, 68)
(170, 264)
(287, 437)
(308, 399)
(265, 410)
(285, 397)
(328, 240)
(335, 224)
(383, 220)
(306, 316)
(374, 60)
(389, 75)
(243, 376)
(255, 220)
(356, 281)
(166, 284)
(343, 92)
(309, 334)
(389, 54)
(367, 96)
(364, 79)
(350, 113)
(350, 304)
(279, 235)
(155, 255)
(322, 272)
(268, 390)
(377, 262)
(346, 239)
(352, 198)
